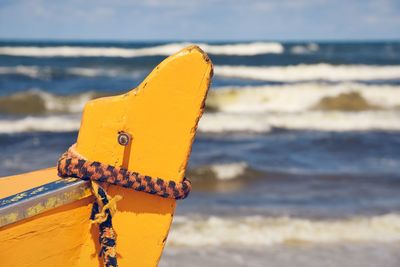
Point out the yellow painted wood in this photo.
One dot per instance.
(12, 185)
(161, 116)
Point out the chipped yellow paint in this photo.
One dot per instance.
(38, 190)
(38, 208)
(161, 116)
(10, 217)
(18, 197)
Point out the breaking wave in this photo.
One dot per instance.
(263, 231)
(223, 172)
(33, 102)
(247, 99)
(229, 171)
(224, 177)
(243, 49)
(40, 124)
(304, 97)
(307, 106)
(312, 120)
(295, 73)
(29, 71)
(47, 73)
(227, 122)
(304, 49)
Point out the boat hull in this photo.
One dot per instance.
(161, 116)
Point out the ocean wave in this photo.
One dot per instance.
(223, 177)
(304, 49)
(47, 73)
(29, 71)
(250, 49)
(308, 106)
(304, 97)
(228, 171)
(296, 73)
(263, 231)
(310, 120)
(36, 101)
(248, 99)
(240, 49)
(40, 124)
(223, 171)
(293, 73)
(105, 72)
(228, 122)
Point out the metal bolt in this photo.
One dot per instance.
(123, 138)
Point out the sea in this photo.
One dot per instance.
(296, 160)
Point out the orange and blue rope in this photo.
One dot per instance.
(72, 164)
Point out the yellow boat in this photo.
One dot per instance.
(44, 220)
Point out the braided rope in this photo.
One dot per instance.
(72, 164)
(107, 237)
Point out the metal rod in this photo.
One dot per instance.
(43, 198)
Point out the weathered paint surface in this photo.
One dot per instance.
(41, 199)
(161, 116)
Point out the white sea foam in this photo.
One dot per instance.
(94, 72)
(302, 72)
(296, 106)
(295, 73)
(40, 124)
(228, 171)
(241, 49)
(249, 49)
(297, 97)
(311, 120)
(29, 71)
(71, 104)
(50, 103)
(304, 49)
(264, 231)
(47, 72)
(231, 122)
(247, 109)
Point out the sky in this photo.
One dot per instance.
(200, 19)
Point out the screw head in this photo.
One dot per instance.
(123, 138)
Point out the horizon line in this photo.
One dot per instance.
(104, 40)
